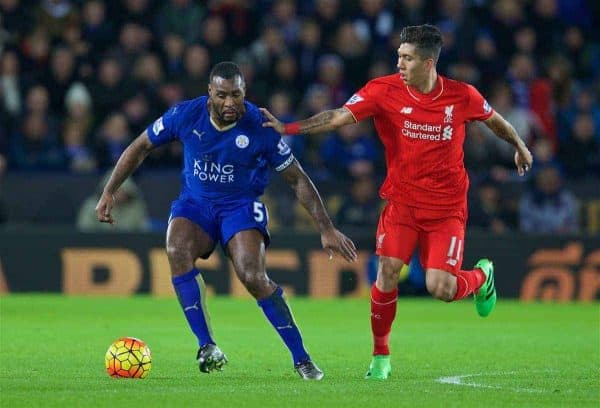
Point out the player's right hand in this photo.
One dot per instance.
(104, 207)
(523, 160)
(272, 121)
(334, 241)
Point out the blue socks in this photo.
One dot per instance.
(280, 316)
(190, 291)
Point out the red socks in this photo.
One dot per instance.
(468, 282)
(383, 312)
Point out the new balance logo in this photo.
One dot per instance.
(406, 110)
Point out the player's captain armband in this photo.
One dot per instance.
(285, 164)
(291, 128)
(158, 126)
(354, 99)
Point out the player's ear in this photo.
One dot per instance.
(429, 63)
(209, 89)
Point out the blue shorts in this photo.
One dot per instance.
(223, 220)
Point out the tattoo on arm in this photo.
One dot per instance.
(307, 194)
(505, 131)
(321, 122)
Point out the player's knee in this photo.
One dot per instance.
(256, 284)
(389, 270)
(180, 258)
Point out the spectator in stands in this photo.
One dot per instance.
(97, 30)
(487, 209)
(130, 207)
(80, 158)
(360, 206)
(173, 47)
(60, 77)
(308, 50)
(548, 207)
(343, 150)
(114, 136)
(111, 88)
(78, 104)
(35, 147)
(11, 88)
(181, 17)
(580, 153)
(195, 76)
(214, 38)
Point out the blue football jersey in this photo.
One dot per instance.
(221, 165)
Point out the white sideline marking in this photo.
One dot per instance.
(458, 380)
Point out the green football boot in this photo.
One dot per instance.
(380, 368)
(485, 298)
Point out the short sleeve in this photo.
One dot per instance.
(277, 153)
(363, 103)
(477, 107)
(164, 129)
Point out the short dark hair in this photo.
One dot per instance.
(426, 38)
(226, 70)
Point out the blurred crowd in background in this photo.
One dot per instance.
(79, 80)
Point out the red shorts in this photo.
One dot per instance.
(438, 234)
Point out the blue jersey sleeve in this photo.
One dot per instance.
(164, 129)
(277, 153)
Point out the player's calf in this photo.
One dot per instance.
(440, 284)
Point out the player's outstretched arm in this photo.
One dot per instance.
(333, 241)
(130, 160)
(504, 130)
(321, 122)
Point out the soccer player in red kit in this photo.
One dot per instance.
(420, 117)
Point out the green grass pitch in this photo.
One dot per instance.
(531, 355)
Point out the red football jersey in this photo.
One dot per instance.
(423, 136)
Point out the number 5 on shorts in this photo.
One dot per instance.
(260, 212)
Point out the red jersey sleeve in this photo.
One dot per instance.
(477, 107)
(363, 103)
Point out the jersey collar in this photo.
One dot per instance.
(221, 129)
(435, 93)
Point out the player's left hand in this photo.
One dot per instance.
(334, 241)
(523, 160)
(104, 208)
(272, 121)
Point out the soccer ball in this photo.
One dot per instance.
(128, 357)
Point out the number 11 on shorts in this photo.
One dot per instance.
(454, 251)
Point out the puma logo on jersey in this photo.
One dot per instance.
(406, 110)
(199, 134)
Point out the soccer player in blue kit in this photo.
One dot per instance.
(227, 155)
